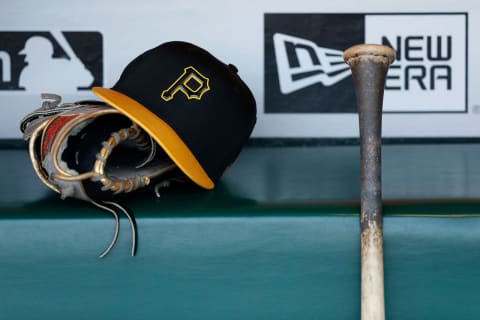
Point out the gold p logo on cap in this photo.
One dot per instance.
(191, 82)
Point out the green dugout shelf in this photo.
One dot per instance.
(277, 239)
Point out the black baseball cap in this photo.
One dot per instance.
(193, 105)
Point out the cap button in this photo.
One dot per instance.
(233, 68)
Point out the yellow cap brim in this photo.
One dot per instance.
(160, 131)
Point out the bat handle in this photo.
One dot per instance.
(369, 66)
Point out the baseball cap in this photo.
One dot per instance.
(193, 105)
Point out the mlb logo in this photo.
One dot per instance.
(305, 72)
(49, 61)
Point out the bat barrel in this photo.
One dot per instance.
(369, 66)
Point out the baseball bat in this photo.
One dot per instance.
(369, 66)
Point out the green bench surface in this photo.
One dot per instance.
(277, 239)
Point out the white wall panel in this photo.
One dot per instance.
(234, 32)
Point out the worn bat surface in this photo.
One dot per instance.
(369, 65)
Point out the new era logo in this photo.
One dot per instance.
(50, 61)
(305, 72)
(301, 63)
(430, 72)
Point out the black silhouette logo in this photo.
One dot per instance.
(63, 62)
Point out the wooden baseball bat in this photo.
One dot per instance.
(369, 66)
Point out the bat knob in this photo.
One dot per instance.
(369, 51)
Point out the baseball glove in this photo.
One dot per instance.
(90, 151)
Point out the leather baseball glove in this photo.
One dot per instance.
(90, 151)
(176, 113)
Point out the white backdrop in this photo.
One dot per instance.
(234, 32)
